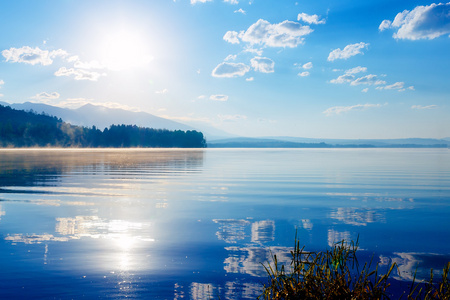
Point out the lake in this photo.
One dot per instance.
(197, 224)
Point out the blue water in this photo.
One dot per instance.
(197, 224)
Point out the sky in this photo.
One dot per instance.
(317, 69)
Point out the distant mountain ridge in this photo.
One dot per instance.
(102, 117)
(293, 142)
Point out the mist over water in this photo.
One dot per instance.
(198, 223)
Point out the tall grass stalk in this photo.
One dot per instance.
(336, 274)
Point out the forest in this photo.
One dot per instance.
(20, 128)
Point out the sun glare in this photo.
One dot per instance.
(124, 50)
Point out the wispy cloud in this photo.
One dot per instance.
(78, 102)
(423, 22)
(400, 86)
(433, 106)
(218, 97)
(241, 11)
(303, 74)
(163, 91)
(230, 118)
(199, 1)
(1, 83)
(370, 79)
(46, 96)
(307, 66)
(79, 74)
(348, 51)
(231, 1)
(88, 65)
(336, 110)
(230, 70)
(350, 77)
(263, 64)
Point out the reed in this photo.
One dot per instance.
(336, 274)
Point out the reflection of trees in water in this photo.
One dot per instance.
(229, 290)
(44, 167)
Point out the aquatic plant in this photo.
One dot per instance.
(336, 274)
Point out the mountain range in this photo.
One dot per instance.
(102, 117)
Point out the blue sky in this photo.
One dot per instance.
(324, 69)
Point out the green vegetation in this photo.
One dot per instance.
(335, 274)
(28, 129)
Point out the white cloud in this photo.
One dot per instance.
(307, 66)
(395, 86)
(79, 74)
(46, 96)
(218, 97)
(1, 82)
(199, 1)
(240, 10)
(201, 97)
(365, 90)
(310, 19)
(163, 91)
(370, 79)
(231, 57)
(229, 70)
(249, 79)
(78, 102)
(399, 86)
(343, 79)
(303, 74)
(336, 110)
(252, 50)
(423, 22)
(263, 64)
(349, 51)
(231, 1)
(424, 107)
(231, 37)
(232, 117)
(88, 65)
(285, 34)
(32, 56)
(356, 70)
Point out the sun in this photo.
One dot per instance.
(124, 49)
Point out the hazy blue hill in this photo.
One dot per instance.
(374, 142)
(294, 142)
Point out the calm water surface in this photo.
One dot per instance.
(197, 224)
